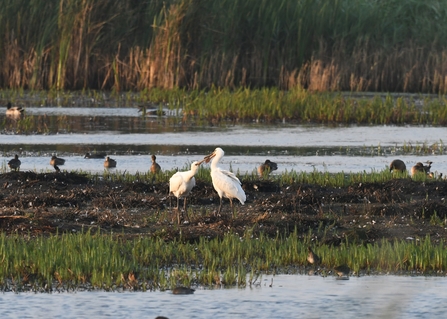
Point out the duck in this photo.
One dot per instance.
(342, 270)
(312, 257)
(56, 161)
(398, 165)
(15, 163)
(182, 291)
(95, 155)
(155, 168)
(421, 168)
(14, 110)
(267, 167)
(109, 162)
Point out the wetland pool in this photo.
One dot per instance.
(291, 296)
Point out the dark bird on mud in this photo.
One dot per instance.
(342, 270)
(14, 110)
(267, 167)
(421, 168)
(95, 155)
(15, 163)
(109, 162)
(225, 182)
(56, 161)
(155, 168)
(312, 257)
(182, 291)
(181, 184)
(398, 165)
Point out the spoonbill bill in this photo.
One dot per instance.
(225, 182)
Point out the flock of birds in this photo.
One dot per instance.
(181, 183)
(399, 166)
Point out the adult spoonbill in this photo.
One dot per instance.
(181, 184)
(398, 165)
(155, 168)
(225, 183)
(15, 163)
(267, 167)
(109, 162)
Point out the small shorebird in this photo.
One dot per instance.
(95, 155)
(14, 110)
(15, 163)
(312, 257)
(155, 168)
(56, 161)
(181, 184)
(342, 270)
(398, 165)
(225, 182)
(109, 162)
(267, 167)
(182, 291)
(421, 168)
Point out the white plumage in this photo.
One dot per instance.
(225, 182)
(181, 184)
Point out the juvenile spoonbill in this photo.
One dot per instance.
(398, 165)
(15, 163)
(155, 168)
(181, 184)
(109, 162)
(267, 167)
(225, 183)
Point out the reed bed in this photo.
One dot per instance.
(356, 45)
(110, 262)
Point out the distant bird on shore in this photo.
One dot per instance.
(95, 155)
(421, 168)
(15, 163)
(182, 291)
(181, 184)
(152, 111)
(109, 162)
(398, 165)
(14, 110)
(267, 167)
(312, 257)
(342, 270)
(155, 168)
(56, 161)
(225, 182)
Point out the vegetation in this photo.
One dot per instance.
(356, 45)
(110, 262)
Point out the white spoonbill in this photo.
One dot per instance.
(225, 183)
(181, 184)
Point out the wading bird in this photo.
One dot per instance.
(95, 155)
(56, 161)
(225, 183)
(14, 110)
(109, 162)
(398, 165)
(421, 168)
(155, 168)
(15, 163)
(267, 167)
(181, 184)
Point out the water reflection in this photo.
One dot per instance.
(291, 296)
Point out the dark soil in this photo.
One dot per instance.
(42, 204)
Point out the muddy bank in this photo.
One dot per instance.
(41, 204)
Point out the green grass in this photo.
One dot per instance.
(110, 262)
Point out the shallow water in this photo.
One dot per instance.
(291, 296)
